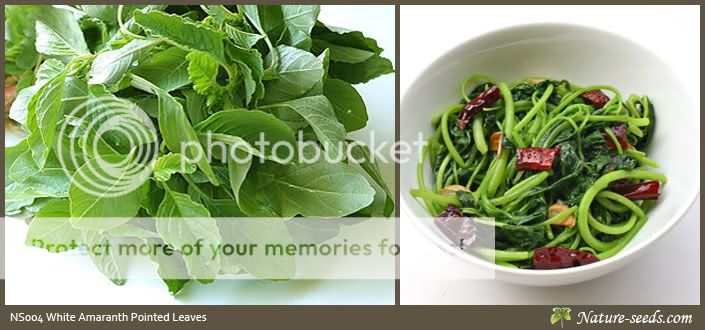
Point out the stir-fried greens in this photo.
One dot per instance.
(558, 167)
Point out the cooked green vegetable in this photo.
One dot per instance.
(200, 73)
(563, 170)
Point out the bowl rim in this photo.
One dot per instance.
(620, 257)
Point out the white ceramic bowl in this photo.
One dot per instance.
(585, 56)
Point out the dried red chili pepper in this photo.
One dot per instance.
(643, 190)
(596, 97)
(556, 257)
(535, 158)
(457, 227)
(620, 132)
(475, 105)
(585, 258)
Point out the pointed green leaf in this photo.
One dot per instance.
(109, 67)
(166, 69)
(176, 129)
(258, 231)
(203, 71)
(183, 32)
(187, 223)
(319, 114)
(237, 172)
(363, 157)
(42, 118)
(320, 189)
(349, 107)
(172, 268)
(297, 73)
(361, 72)
(249, 61)
(250, 125)
(241, 38)
(106, 260)
(58, 33)
(299, 21)
(170, 164)
(102, 189)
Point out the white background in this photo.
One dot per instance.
(34, 276)
(670, 272)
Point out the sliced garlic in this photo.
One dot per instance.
(452, 189)
(557, 208)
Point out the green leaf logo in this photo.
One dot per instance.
(560, 314)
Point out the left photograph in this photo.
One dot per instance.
(199, 154)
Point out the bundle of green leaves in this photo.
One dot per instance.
(229, 70)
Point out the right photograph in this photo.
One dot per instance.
(556, 155)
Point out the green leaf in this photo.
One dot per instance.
(172, 268)
(203, 72)
(46, 71)
(319, 114)
(97, 33)
(188, 223)
(50, 182)
(183, 32)
(20, 53)
(152, 198)
(104, 189)
(349, 107)
(105, 13)
(12, 153)
(241, 38)
(317, 89)
(106, 260)
(25, 181)
(196, 108)
(320, 189)
(251, 67)
(342, 37)
(268, 20)
(176, 129)
(363, 157)
(76, 93)
(344, 54)
(103, 109)
(166, 69)
(350, 54)
(42, 118)
(58, 33)
(249, 125)
(129, 19)
(361, 72)
(237, 172)
(218, 13)
(299, 21)
(555, 318)
(51, 228)
(298, 71)
(110, 66)
(244, 231)
(170, 164)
